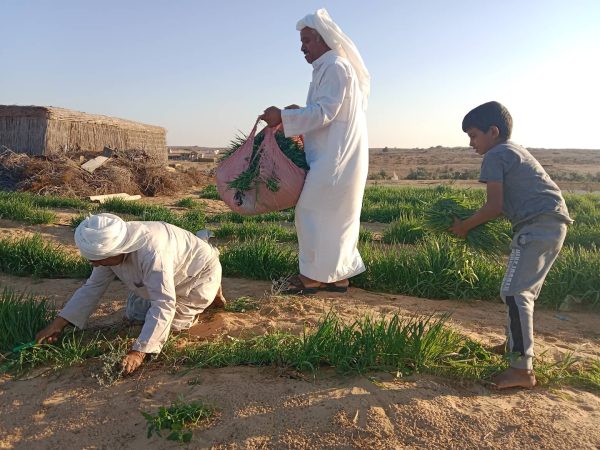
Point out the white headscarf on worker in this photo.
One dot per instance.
(104, 235)
(339, 42)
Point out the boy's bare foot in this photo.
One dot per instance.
(514, 378)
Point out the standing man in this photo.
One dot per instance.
(334, 127)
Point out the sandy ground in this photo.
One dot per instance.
(264, 408)
(269, 408)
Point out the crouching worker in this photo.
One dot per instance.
(172, 276)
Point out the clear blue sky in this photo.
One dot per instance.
(206, 69)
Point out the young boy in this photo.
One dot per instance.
(519, 188)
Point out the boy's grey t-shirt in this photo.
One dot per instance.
(528, 190)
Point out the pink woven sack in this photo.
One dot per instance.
(273, 164)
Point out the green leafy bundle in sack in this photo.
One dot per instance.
(292, 148)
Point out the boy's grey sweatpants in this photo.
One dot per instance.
(534, 248)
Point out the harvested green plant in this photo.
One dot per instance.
(491, 238)
(291, 147)
(179, 418)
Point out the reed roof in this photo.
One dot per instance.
(62, 114)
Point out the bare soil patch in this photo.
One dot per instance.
(264, 408)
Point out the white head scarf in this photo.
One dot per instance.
(337, 40)
(104, 235)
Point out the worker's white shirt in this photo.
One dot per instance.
(164, 271)
(336, 144)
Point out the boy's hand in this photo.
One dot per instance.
(52, 332)
(132, 360)
(459, 228)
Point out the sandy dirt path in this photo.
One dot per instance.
(269, 408)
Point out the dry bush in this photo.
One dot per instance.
(134, 172)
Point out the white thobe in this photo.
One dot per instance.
(174, 270)
(336, 145)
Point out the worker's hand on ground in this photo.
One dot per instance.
(132, 360)
(52, 332)
(292, 107)
(271, 115)
(459, 228)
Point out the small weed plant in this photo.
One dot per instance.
(179, 419)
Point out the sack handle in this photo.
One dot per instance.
(269, 131)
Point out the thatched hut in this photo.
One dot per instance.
(41, 130)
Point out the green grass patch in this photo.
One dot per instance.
(246, 231)
(13, 209)
(178, 419)
(31, 209)
(192, 220)
(74, 347)
(406, 230)
(434, 268)
(21, 317)
(210, 192)
(583, 234)
(242, 304)
(275, 216)
(48, 201)
(252, 230)
(33, 256)
(187, 203)
(574, 277)
(260, 259)
(401, 346)
(141, 210)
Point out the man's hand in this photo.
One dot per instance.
(132, 360)
(52, 332)
(271, 115)
(459, 228)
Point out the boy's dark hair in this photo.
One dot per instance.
(487, 115)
